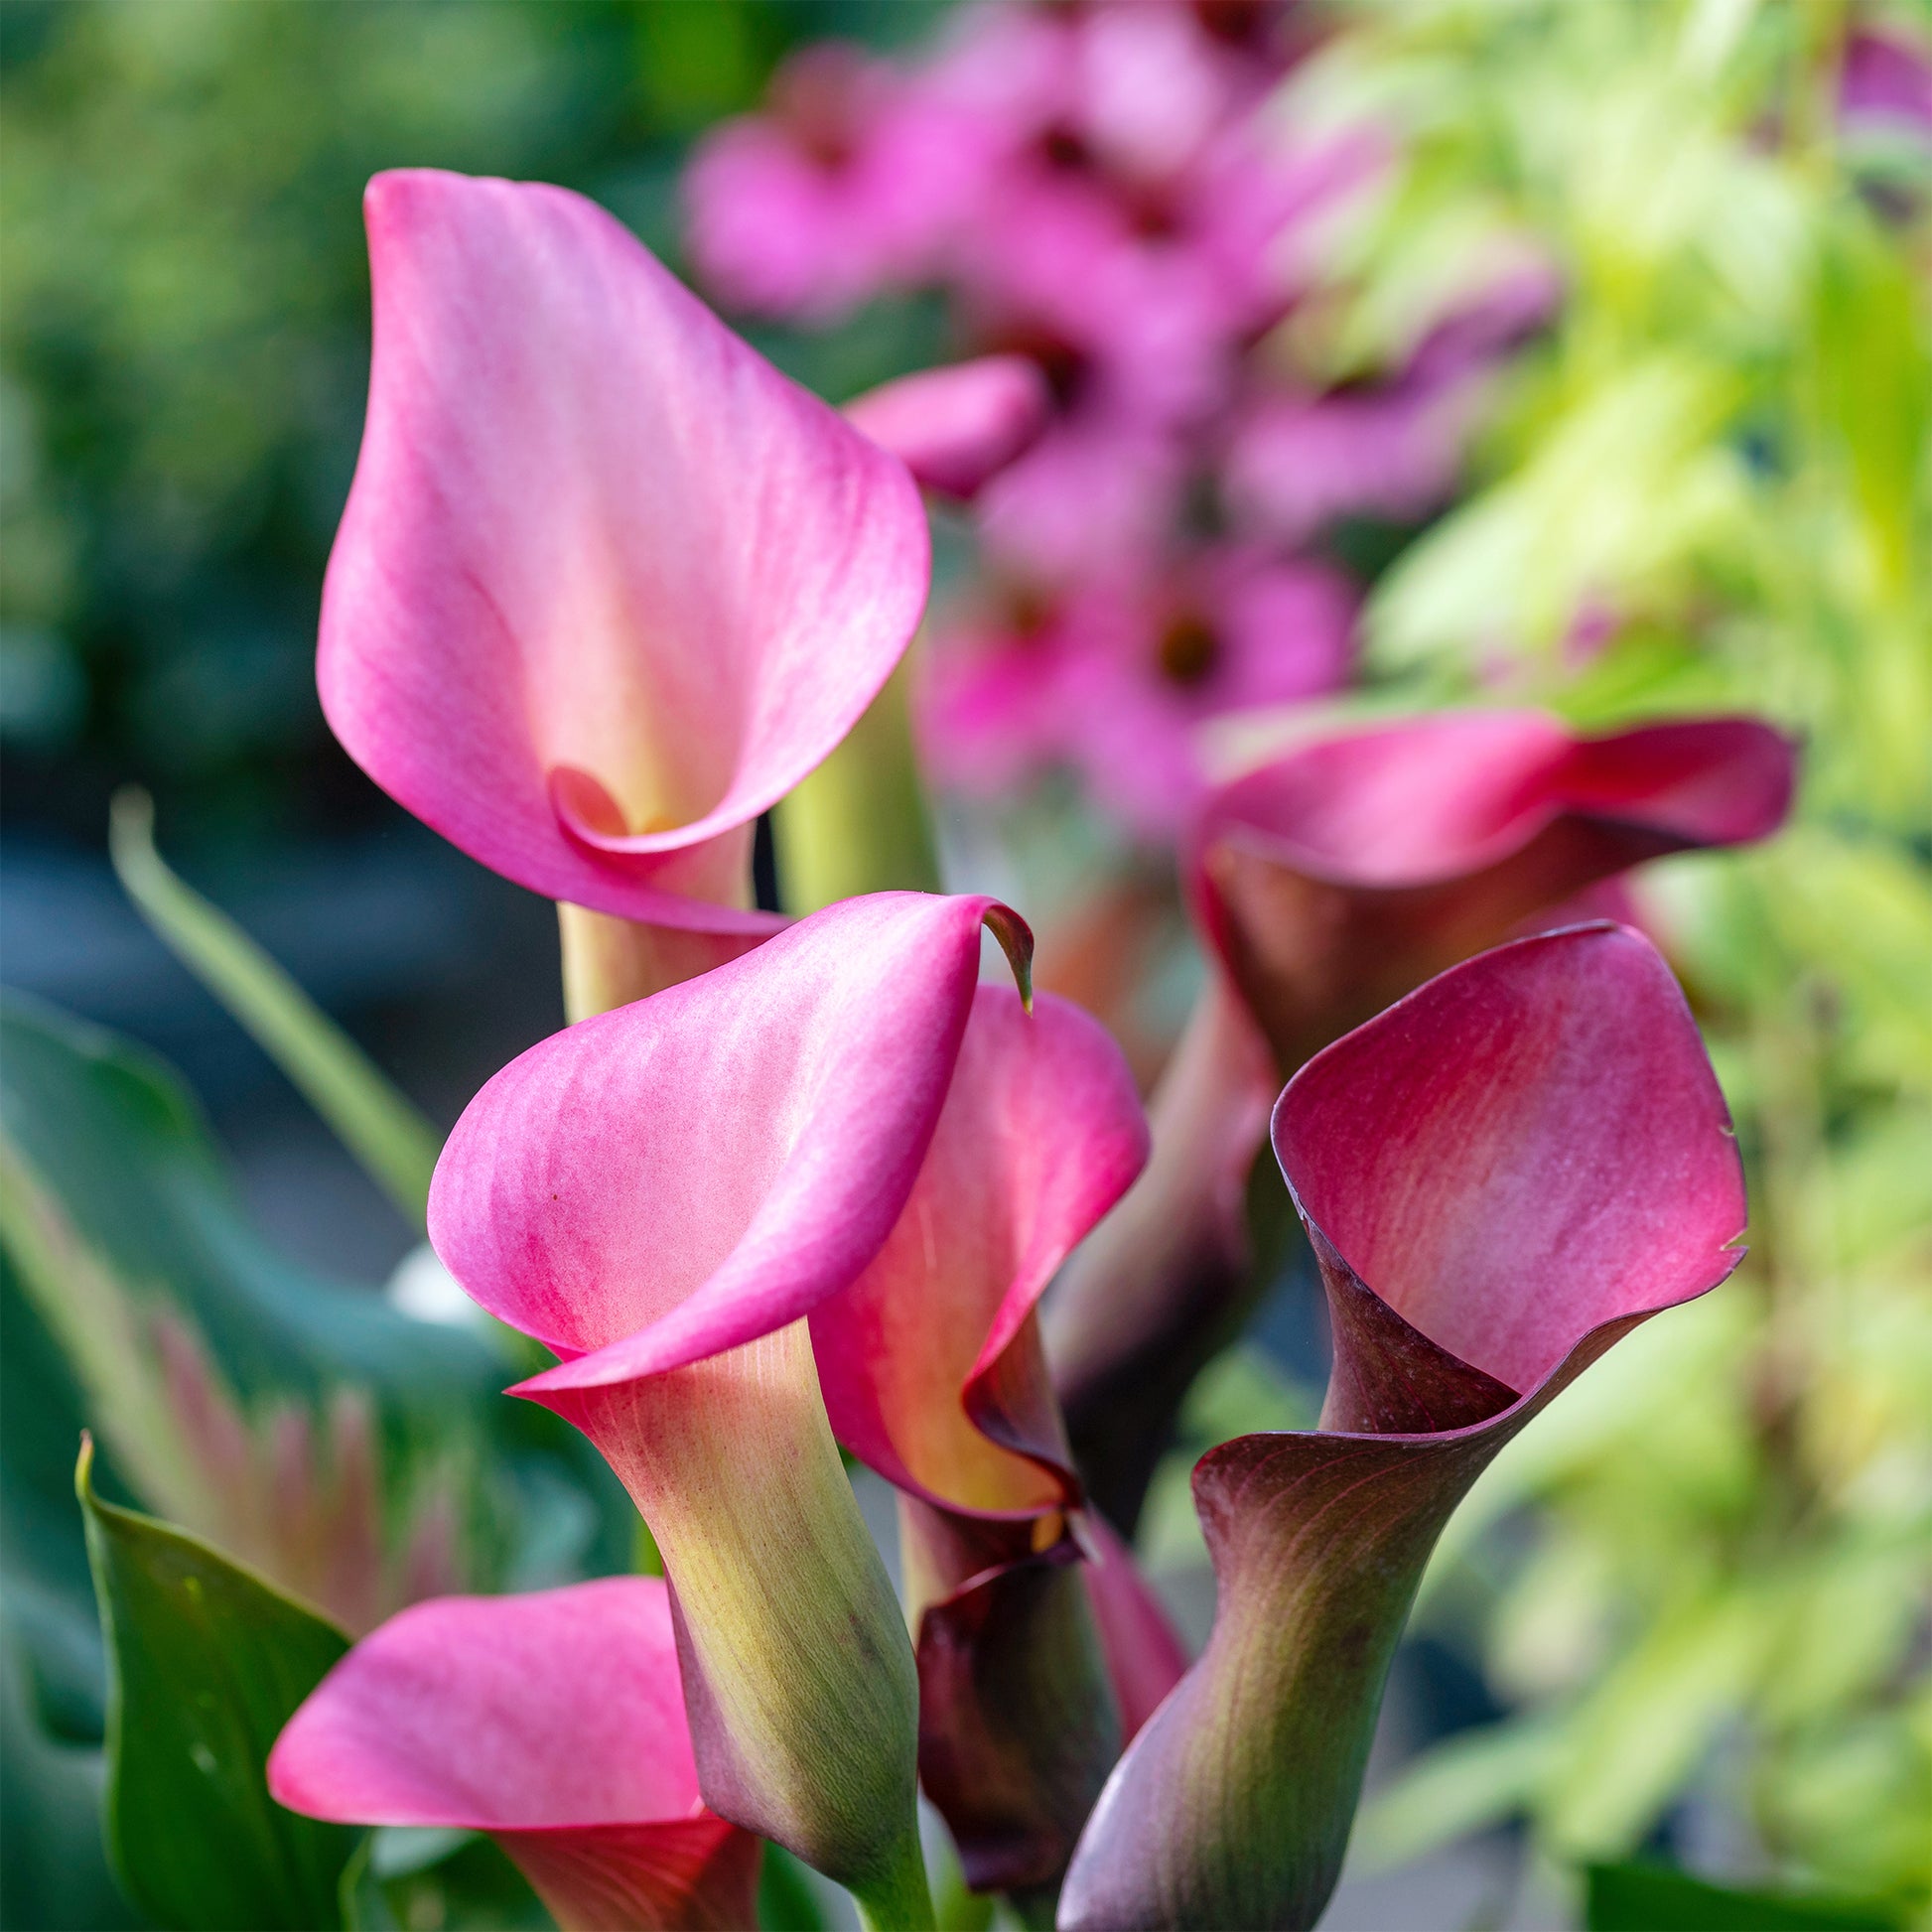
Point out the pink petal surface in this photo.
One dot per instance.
(955, 428)
(558, 1708)
(930, 1361)
(661, 1183)
(555, 1722)
(1529, 1149)
(607, 585)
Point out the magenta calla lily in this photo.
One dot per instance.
(553, 1721)
(956, 427)
(1342, 874)
(1501, 1176)
(1327, 883)
(843, 1130)
(608, 586)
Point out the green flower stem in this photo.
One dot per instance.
(859, 823)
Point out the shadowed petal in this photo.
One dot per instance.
(607, 585)
(1520, 1163)
(930, 1360)
(553, 1721)
(1144, 1303)
(1339, 877)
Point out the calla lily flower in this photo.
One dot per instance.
(836, 1160)
(607, 585)
(957, 427)
(552, 1721)
(1340, 877)
(1328, 884)
(1501, 1177)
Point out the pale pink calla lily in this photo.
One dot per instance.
(841, 1127)
(957, 427)
(608, 586)
(554, 1722)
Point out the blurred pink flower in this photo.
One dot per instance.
(847, 185)
(1114, 678)
(1886, 81)
(1297, 462)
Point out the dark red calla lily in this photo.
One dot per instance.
(1327, 883)
(1501, 1176)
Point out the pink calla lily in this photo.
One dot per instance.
(1327, 883)
(841, 1128)
(956, 427)
(1501, 1176)
(608, 586)
(554, 1722)
(1342, 874)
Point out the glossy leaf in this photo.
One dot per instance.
(207, 1664)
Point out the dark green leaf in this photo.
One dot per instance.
(205, 1665)
(1639, 1898)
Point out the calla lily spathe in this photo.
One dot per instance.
(1501, 1176)
(607, 585)
(838, 1158)
(553, 1721)
(1327, 883)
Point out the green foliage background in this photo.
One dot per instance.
(1726, 444)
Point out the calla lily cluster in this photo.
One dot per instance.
(608, 588)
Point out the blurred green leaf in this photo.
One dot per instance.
(379, 1126)
(208, 1663)
(351, 1452)
(54, 1876)
(1654, 1898)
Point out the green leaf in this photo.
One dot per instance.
(352, 1454)
(1640, 1897)
(378, 1125)
(207, 1664)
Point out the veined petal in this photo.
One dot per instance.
(930, 1360)
(1552, 1100)
(1339, 877)
(956, 427)
(607, 585)
(667, 1180)
(555, 1722)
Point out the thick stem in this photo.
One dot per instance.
(609, 962)
(860, 822)
(798, 1677)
